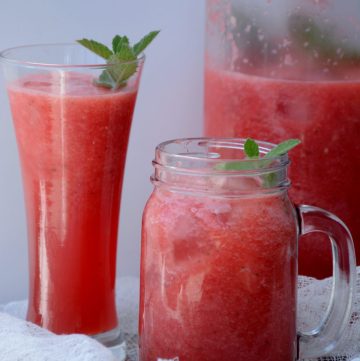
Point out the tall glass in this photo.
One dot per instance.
(72, 138)
(219, 259)
(291, 69)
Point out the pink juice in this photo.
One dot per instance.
(325, 115)
(72, 138)
(218, 278)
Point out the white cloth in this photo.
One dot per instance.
(24, 341)
(313, 298)
(20, 340)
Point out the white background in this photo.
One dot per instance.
(170, 105)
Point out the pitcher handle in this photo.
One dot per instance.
(324, 337)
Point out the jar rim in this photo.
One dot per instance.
(176, 152)
(196, 165)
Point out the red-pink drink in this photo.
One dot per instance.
(218, 267)
(72, 137)
(220, 278)
(325, 115)
(219, 258)
(277, 70)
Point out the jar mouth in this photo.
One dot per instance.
(210, 154)
(197, 164)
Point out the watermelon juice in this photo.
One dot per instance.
(219, 278)
(219, 259)
(325, 115)
(72, 137)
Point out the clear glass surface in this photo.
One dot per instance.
(72, 138)
(291, 69)
(219, 259)
(325, 337)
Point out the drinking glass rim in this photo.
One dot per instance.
(33, 64)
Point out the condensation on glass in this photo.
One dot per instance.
(280, 69)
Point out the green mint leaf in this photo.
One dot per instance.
(269, 180)
(251, 148)
(121, 67)
(105, 80)
(96, 47)
(122, 60)
(282, 148)
(116, 75)
(243, 165)
(119, 42)
(144, 42)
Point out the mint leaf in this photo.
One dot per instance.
(105, 80)
(269, 180)
(122, 60)
(282, 148)
(243, 165)
(122, 64)
(251, 148)
(115, 76)
(97, 48)
(124, 67)
(144, 42)
(119, 42)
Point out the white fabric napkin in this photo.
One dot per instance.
(24, 341)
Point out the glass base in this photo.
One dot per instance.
(109, 338)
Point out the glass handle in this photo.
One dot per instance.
(323, 339)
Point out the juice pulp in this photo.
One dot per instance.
(324, 115)
(72, 138)
(218, 278)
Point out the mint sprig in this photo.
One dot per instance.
(122, 58)
(253, 160)
(251, 150)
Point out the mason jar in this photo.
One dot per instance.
(219, 258)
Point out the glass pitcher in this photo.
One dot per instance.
(219, 259)
(285, 69)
